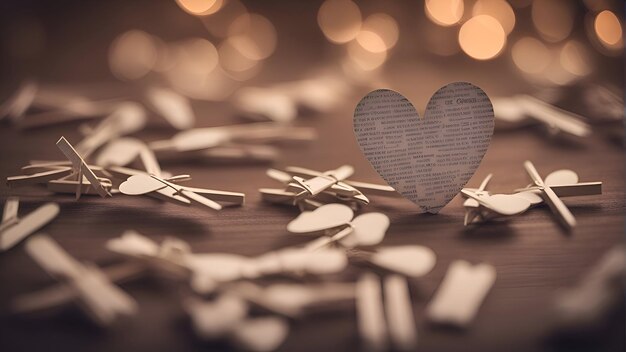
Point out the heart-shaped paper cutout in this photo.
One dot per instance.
(215, 319)
(413, 261)
(426, 160)
(322, 218)
(140, 184)
(368, 229)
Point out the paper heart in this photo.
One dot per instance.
(426, 160)
(412, 261)
(369, 229)
(322, 218)
(215, 319)
(140, 184)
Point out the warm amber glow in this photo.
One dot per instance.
(197, 56)
(575, 58)
(498, 9)
(253, 35)
(444, 12)
(608, 29)
(531, 55)
(384, 26)
(364, 59)
(200, 7)
(219, 23)
(482, 37)
(554, 19)
(371, 41)
(340, 20)
(132, 55)
(232, 60)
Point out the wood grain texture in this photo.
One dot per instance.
(534, 257)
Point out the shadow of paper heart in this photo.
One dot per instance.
(426, 160)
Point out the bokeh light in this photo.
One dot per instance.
(498, 9)
(482, 37)
(531, 55)
(608, 29)
(378, 29)
(253, 35)
(200, 7)
(339, 20)
(553, 19)
(364, 59)
(132, 55)
(219, 23)
(575, 58)
(444, 12)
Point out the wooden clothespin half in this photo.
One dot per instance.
(461, 293)
(558, 208)
(564, 183)
(103, 301)
(389, 320)
(80, 169)
(14, 229)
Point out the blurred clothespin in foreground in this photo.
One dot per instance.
(521, 110)
(14, 229)
(102, 301)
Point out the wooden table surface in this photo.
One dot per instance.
(534, 257)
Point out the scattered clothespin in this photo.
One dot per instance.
(564, 183)
(14, 229)
(230, 143)
(499, 204)
(80, 169)
(227, 317)
(310, 189)
(381, 321)
(60, 294)
(296, 300)
(126, 118)
(123, 151)
(524, 109)
(472, 207)
(552, 199)
(173, 107)
(142, 183)
(207, 271)
(461, 293)
(102, 301)
(15, 107)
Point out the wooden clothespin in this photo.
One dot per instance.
(309, 188)
(552, 199)
(126, 118)
(525, 109)
(173, 107)
(102, 301)
(142, 183)
(81, 169)
(472, 207)
(14, 229)
(461, 293)
(564, 183)
(230, 143)
(389, 320)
